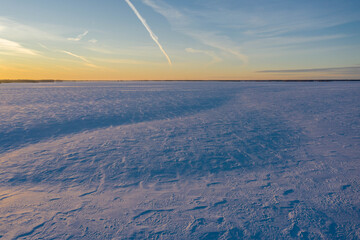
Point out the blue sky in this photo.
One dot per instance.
(204, 39)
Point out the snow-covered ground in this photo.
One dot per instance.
(180, 160)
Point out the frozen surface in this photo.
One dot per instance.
(180, 160)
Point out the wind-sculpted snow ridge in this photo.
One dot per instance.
(43, 111)
(180, 160)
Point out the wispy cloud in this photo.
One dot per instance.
(212, 55)
(125, 61)
(185, 24)
(220, 42)
(152, 35)
(242, 29)
(78, 37)
(14, 30)
(14, 47)
(167, 11)
(353, 69)
(44, 47)
(283, 42)
(272, 25)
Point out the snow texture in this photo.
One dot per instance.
(180, 160)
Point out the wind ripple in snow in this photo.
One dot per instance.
(180, 160)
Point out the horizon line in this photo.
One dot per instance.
(173, 80)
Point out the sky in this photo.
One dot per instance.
(179, 40)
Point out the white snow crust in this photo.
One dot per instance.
(180, 160)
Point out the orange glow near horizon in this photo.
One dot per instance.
(149, 40)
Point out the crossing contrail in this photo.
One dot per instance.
(152, 35)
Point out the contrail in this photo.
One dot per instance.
(87, 62)
(75, 55)
(152, 35)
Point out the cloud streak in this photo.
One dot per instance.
(14, 30)
(222, 43)
(185, 24)
(79, 37)
(14, 47)
(152, 35)
(310, 70)
(214, 57)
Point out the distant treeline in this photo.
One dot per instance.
(27, 81)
